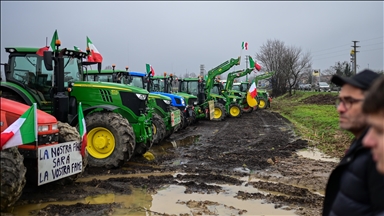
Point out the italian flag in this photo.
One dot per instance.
(150, 69)
(253, 90)
(95, 54)
(244, 45)
(82, 130)
(40, 52)
(22, 131)
(77, 49)
(252, 64)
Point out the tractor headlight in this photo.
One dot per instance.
(167, 102)
(195, 103)
(43, 128)
(141, 96)
(54, 127)
(182, 102)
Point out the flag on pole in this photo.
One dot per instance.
(77, 49)
(150, 69)
(22, 131)
(95, 54)
(244, 45)
(53, 41)
(82, 130)
(253, 90)
(252, 64)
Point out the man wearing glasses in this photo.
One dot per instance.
(354, 186)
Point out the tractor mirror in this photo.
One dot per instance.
(48, 55)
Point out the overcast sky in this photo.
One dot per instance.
(179, 36)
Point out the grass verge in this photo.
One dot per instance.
(319, 124)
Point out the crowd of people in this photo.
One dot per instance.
(356, 185)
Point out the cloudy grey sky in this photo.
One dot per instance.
(179, 36)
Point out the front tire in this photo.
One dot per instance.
(12, 176)
(219, 113)
(158, 128)
(111, 140)
(262, 103)
(235, 110)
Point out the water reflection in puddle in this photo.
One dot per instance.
(316, 154)
(172, 199)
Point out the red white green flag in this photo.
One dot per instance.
(95, 54)
(252, 64)
(150, 69)
(253, 90)
(22, 131)
(82, 130)
(244, 45)
(55, 37)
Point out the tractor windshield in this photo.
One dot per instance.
(134, 81)
(189, 87)
(157, 85)
(244, 87)
(236, 87)
(29, 69)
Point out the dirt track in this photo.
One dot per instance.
(250, 160)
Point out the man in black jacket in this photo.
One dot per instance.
(354, 186)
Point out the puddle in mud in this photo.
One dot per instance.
(172, 199)
(316, 154)
(162, 147)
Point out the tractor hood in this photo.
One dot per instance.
(158, 96)
(111, 86)
(16, 108)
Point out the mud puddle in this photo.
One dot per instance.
(170, 199)
(316, 154)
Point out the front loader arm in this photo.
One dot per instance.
(237, 74)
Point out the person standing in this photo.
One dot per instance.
(373, 107)
(354, 186)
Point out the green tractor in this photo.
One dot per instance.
(207, 90)
(184, 102)
(117, 118)
(165, 118)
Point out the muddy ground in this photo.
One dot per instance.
(254, 153)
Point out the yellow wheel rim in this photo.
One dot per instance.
(235, 111)
(101, 142)
(217, 114)
(262, 103)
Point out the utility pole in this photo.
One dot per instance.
(246, 66)
(354, 56)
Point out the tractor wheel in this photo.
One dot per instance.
(262, 103)
(219, 113)
(192, 119)
(68, 133)
(12, 176)
(235, 110)
(247, 108)
(158, 128)
(111, 140)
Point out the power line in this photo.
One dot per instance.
(344, 50)
(345, 44)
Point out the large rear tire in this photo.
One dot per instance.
(158, 128)
(235, 111)
(219, 114)
(111, 140)
(12, 176)
(68, 133)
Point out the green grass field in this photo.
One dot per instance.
(319, 124)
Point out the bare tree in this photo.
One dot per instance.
(295, 64)
(271, 56)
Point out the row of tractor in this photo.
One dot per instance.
(125, 112)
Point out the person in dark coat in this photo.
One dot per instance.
(373, 107)
(354, 187)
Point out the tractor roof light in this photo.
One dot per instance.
(58, 42)
(165, 73)
(170, 75)
(126, 68)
